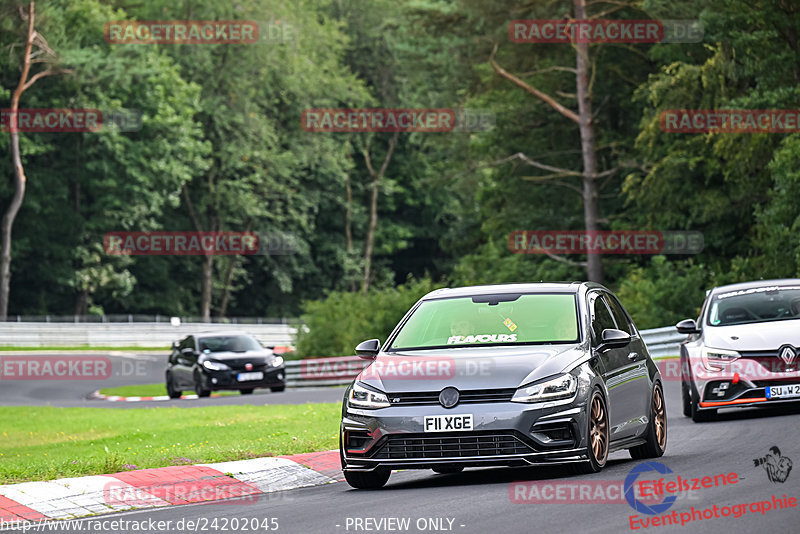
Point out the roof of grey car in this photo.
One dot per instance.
(757, 283)
(539, 287)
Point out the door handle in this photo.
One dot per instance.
(632, 356)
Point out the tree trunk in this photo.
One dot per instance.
(373, 207)
(591, 210)
(19, 176)
(348, 230)
(205, 298)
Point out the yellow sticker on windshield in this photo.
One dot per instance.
(510, 324)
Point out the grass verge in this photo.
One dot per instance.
(42, 443)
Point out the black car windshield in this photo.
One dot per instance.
(228, 344)
(755, 305)
(502, 319)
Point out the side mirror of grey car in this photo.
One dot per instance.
(687, 326)
(368, 349)
(187, 351)
(613, 339)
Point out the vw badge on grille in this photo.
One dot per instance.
(449, 397)
(788, 355)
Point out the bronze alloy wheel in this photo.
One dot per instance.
(660, 417)
(598, 429)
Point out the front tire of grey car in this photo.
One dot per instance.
(198, 386)
(656, 434)
(367, 479)
(597, 435)
(171, 391)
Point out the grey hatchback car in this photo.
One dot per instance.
(510, 375)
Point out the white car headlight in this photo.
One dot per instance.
(361, 397)
(211, 365)
(277, 362)
(560, 387)
(718, 359)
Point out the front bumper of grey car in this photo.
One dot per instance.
(501, 432)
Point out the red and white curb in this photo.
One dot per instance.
(67, 498)
(117, 398)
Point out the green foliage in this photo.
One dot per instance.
(664, 292)
(221, 132)
(335, 325)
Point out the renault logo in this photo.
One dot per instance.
(449, 397)
(788, 355)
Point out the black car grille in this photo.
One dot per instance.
(472, 396)
(461, 445)
(770, 360)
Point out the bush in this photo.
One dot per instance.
(664, 292)
(335, 325)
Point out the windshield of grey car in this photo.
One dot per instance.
(755, 305)
(502, 319)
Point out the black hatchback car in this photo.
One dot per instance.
(215, 361)
(512, 375)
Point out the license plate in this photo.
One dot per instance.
(783, 392)
(448, 423)
(244, 377)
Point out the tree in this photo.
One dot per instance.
(42, 54)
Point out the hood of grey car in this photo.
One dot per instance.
(253, 355)
(754, 336)
(467, 368)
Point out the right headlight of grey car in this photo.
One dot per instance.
(361, 397)
(560, 387)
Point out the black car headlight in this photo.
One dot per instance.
(361, 397)
(560, 387)
(211, 365)
(277, 361)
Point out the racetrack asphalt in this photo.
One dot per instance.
(480, 500)
(118, 368)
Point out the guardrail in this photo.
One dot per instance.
(661, 342)
(129, 334)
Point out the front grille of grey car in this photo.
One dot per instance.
(461, 445)
(470, 396)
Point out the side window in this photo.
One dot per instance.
(187, 343)
(623, 322)
(601, 318)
